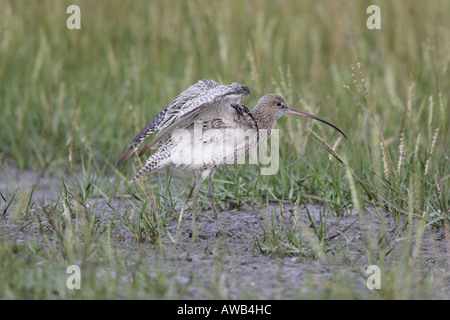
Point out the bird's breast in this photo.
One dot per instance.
(213, 144)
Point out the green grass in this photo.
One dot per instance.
(72, 100)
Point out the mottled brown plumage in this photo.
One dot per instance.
(229, 131)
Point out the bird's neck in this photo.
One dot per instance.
(265, 119)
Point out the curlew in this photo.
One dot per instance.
(207, 127)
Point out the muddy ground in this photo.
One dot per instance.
(234, 257)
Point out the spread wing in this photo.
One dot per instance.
(204, 100)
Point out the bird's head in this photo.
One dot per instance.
(275, 106)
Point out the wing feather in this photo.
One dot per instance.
(186, 108)
(203, 108)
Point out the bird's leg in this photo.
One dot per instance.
(211, 198)
(195, 195)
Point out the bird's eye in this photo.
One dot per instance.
(279, 104)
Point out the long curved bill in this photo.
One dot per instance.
(308, 115)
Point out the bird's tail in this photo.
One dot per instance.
(158, 160)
